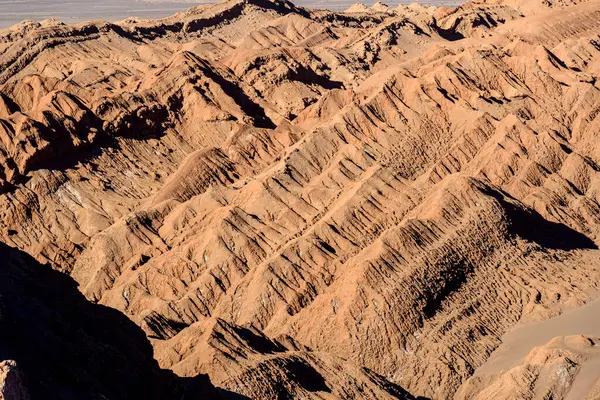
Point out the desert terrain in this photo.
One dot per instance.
(75, 11)
(254, 199)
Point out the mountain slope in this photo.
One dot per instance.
(312, 204)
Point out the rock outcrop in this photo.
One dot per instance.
(67, 347)
(11, 382)
(299, 203)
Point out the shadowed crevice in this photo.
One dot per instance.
(68, 348)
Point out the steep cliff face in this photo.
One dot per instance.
(67, 347)
(301, 203)
(11, 382)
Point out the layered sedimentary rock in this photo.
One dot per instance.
(306, 203)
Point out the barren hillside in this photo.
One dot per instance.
(300, 203)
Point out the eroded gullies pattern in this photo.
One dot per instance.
(305, 203)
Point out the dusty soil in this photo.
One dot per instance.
(297, 203)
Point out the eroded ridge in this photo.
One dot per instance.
(302, 203)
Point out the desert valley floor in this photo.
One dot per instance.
(252, 199)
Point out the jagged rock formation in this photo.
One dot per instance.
(11, 382)
(67, 347)
(302, 203)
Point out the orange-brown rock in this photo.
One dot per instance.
(311, 204)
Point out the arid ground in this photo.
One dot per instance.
(253, 199)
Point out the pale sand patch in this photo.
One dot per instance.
(585, 380)
(518, 342)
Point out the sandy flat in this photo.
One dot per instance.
(518, 342)
(585, 380)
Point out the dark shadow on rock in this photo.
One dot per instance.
(258, 341)
(520, 222)
(250, 108)
(449, 34)
(303, 374)
(84, 154)
(528, 224)
(69, 348)
(227, 395)
(533, 227)
(394, 390)
(310, 77)
(70, 138)
(161, 327)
